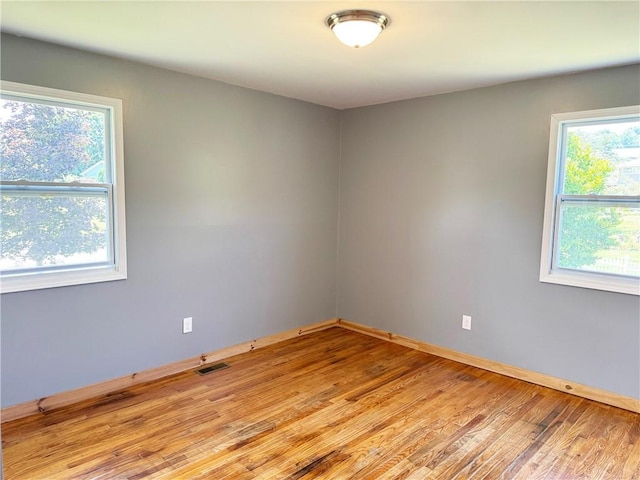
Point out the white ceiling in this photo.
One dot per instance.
(285, 48)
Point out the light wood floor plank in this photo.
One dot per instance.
(333, 404)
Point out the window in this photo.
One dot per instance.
(591, 234)
(62, 188)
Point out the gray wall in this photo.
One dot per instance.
(231, 203)
(232, 200)
(441, 208)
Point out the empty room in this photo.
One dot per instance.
(333, 240)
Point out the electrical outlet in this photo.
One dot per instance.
(466, 322)
(187, 325)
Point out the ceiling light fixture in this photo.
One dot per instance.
(357, 28)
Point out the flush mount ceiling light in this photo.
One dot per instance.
(357, 28)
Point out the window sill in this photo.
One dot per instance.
(26, 282)
(629, 286)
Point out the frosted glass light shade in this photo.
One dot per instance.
(357, 33)
(357, 28)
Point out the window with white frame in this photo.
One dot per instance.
(591, 234)
(62, 188)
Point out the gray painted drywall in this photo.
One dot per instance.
(231, 204)
(441, 208)
(232, 199)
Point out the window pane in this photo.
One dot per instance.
(53, 230)
(602, 159)
(602, 239)
(49, 143)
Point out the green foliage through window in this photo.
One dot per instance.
(49, 143)
(594, 235)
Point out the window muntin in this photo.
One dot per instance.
(62, 188)
(592, 215)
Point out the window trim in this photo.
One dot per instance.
(549, 273)
(83, 274)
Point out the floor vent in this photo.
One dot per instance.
(211, 368)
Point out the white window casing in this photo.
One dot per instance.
(111, 191)
(556, 200)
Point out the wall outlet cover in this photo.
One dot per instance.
(187, 325)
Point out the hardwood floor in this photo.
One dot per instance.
(334, 405)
